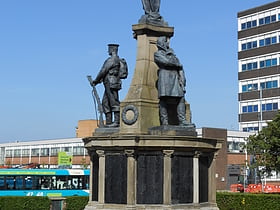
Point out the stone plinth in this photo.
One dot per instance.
(152, 172)
(142, 97)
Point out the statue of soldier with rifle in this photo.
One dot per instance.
(113, 70)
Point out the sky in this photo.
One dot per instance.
(48, 47)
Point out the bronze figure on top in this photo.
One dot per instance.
(152, 16)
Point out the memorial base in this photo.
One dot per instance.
(152, 172)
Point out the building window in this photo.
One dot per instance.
(250, 108)
(54, 151)
(78, 150)
(9, 153)
(249, 66)
(35, 152)
(249, 24)
(25, 152)
(267, 20)
(270, 84)
(249, 87)
(268, 63)
(66, 149)
(249, 45)
(45, 151)
(270, 107)
(17, 152)
(267, 41)
(250, 129)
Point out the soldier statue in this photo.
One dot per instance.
(171, 83)
(113, 70)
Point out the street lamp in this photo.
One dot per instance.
(260, 117)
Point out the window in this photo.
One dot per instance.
(249, 24)
(17, 152)
(25, 152)
(35, 152)
(269, 106)
(249, 45)
(267, 41)
(78, 150)
(268, 63)
(67, 149)
(45, 152)
(250, 129)
(9, 153)
(249, 66)
(267, 20)
(261, 42)
(270, 84)
(54, 151)
(250, 87)
(250, 108)
(273, 18)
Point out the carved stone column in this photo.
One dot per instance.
(196, 177)
(91, 176)
(131, 177)
(212, 179)
(167, 177)
(101, 174)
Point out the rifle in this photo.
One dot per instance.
(99, 105)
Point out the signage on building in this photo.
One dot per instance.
(64, 159)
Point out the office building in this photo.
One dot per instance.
(258, 65)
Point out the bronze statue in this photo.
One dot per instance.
(152, 16)
(113, 70)
(171, 83)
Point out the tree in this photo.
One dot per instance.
(265, 147)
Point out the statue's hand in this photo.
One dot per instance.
(94, 82)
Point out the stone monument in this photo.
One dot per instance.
(148, 163)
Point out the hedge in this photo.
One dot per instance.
(236, 201)
(24, 203)
(225, 201)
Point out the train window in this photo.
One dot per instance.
(28, 182)
(46, 182)
(2, 183)
(10, 182)
(19, 182)
(61, 182)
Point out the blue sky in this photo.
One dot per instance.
(48, 47)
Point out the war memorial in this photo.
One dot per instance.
(146, 153)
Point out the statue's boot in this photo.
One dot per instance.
(163, 113)
(116, 122)
(108, 118)
(181, 113)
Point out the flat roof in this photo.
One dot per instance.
(258, 9)
(42, 142)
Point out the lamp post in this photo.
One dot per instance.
(246, 165)
(260, 117)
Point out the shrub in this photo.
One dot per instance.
(24, 203)
(235, 201)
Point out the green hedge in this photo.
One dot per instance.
(24, 203)
(236, 201)
(76, 203)
(225, 201)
